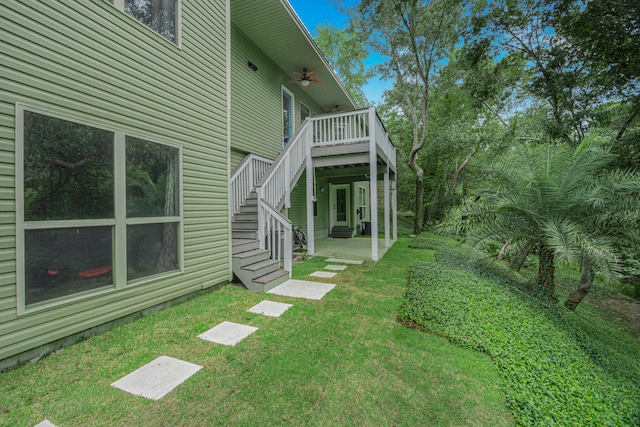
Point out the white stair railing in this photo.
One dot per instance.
(245, 177)
(274, 192)
(278, 238)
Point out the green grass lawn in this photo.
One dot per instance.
(343, 360)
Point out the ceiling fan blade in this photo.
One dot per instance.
(298, 75)
(312, 74)
(294, 81)
(316, 81)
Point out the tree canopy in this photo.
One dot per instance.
(527, 84)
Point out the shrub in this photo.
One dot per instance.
(553, 373)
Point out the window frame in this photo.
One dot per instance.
(292, 113)
(118, 223)
(119, 4)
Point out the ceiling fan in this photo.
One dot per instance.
(306, 78)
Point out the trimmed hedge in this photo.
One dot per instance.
(552, 372)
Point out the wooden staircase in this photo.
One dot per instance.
(251, 265)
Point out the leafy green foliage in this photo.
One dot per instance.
(420, 243)
(346, 52)
(560, 203)
(553, 372)
(68, 170)
(152, 179)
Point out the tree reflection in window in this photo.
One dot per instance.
(159, 15)
(68, 170)
(151, 249)
(152, 191)
(152, 179)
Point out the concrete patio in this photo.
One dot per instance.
(358, 248)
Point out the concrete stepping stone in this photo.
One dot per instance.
(302, 289)
(157, 378)
(45, 423)
(335, 267)
(345, 261)
(323, 274)
(228, 333)
(270, 308)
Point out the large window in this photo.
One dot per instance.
(99, 208)
(162, 16)
(152, 192)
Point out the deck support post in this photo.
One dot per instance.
(394, 206)
(373, 183)
(387, 242)
(310, 201)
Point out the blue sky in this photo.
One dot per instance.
(317, 12)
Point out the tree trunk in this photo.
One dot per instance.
(504, 249)
(546, 271)
(462, 166)
(586, 280)
(518, 260)
(635, 111)
(419, 218)
(167, 257)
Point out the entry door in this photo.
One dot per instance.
(287, 117)
(340, 205)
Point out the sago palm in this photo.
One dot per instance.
(554, 202)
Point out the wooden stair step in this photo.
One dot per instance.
(260, 264)
(271, 276)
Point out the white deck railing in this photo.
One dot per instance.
(352, 127)
(245, 177)
(341, 128)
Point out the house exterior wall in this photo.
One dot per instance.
(236, 158)
(256, 99)
(297, 213)
(91, 63)
(321, 224)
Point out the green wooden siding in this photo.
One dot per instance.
(297, 213)
(236, 158)
(92, 63)
(256, 99)
(322, 220)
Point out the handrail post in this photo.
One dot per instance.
(260, 218)
(251, 182)
(288, 249)
(287, 181)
